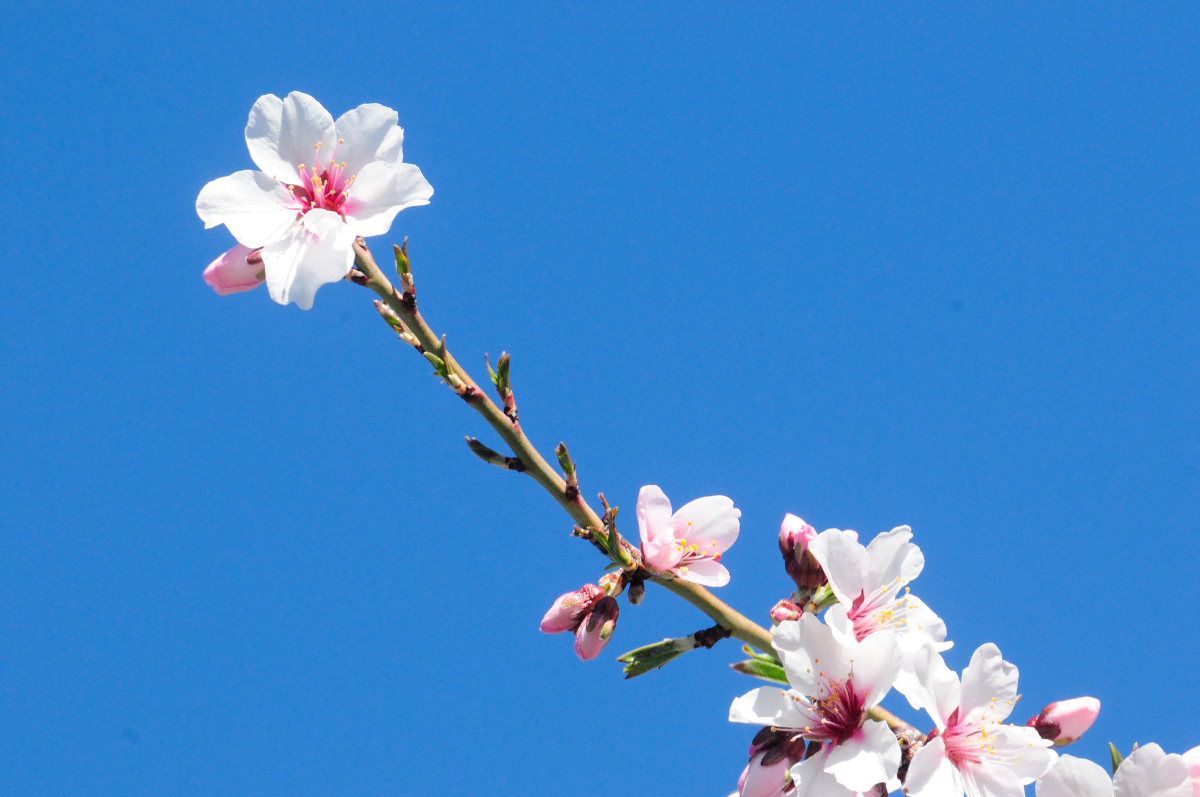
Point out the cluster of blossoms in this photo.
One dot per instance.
(850, 632)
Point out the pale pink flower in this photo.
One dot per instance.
(833, 686)
(597, 628)
(322, 183)
(1065, 721)
(1192, 759)
(687, 544)
(239, 269)
(870, 583)
(970, 751)
(1146, 772)
(570, 608)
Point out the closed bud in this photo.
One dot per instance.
(637, 592)
(785, 610)
(569, 610)
(613, 583)
(1067, 720)
(794, 538)
(596, 629)
(239, 269)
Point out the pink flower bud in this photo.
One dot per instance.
(569, 610)
(239, 269)
(1065, 721)
(1192, 759)
(794, 538)
(794, 533)
(596, 629)
(766, 780)
(785, 610)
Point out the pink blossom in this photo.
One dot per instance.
(794, 538)
(1065, 721)
(689, 543)
(570, 608)
(239, 269)
(596, 629)
(1192, 759)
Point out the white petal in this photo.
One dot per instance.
(1149, 772)
(812, 780)
(707, 573)
(1075, 777)
(283, 134)
(871, 756)
(940, 690)
(311, 254)
(989, 687)
(875, 663)
(838, 620)
(769, 705)
(844, 561)
(382, 190)
(653, 511)
(920, 623)
(894, 560)
(712, 519)
(931, 774)
(368, 133)
(249, 203)
(1019, 749)
(986, 781)
(807, 649)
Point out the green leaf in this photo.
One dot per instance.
(757, 668)
(642, 667)
(1117, 758)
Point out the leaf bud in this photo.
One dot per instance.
(613, 583)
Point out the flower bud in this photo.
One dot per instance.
(569, 610)
(785, 610)
(596, 629)
(1065, 721)
(239, 269)
(763, 780)
(613, 583)
(794, 538)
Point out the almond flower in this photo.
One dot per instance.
(870, 583)
(970, 751)
(321, 184)
(833, 686)
(687, 544)
(1146, 772)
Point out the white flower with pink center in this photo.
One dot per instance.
(970, 751)
(870, 583)
(687, 544)
(322, 184)
(1146, 772)
(833, 686)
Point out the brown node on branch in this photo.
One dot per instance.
(711, 636)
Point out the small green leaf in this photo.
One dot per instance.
(757, 668)
(1117, 758)
(645, 666)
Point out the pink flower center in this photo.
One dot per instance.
(327, 189)
(883, 609)
(692, 552)
(838, 711)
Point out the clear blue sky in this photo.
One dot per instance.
(871, 264)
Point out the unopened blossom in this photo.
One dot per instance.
(794, 538)
(970, 751)
(687, 544)
(1192, 759)
(1065, 721)
(772, 755)
(596, 629)
(833, 686)
(570, 608)
(239, 269)
(1146, 772)
(321, 184)
(870, 583)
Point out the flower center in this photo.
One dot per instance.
(838, 711)
(881, 610)
(691, 552)
(326, 189)
(965, 742)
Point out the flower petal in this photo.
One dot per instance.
(940, 690)
(712, 519)
(653, 511)
(931, 773)
(250, 204)
(706, 572)
(661, 553)
(368, 133)
(1020, 749)
(894, 560)
(232, 273)
(1075, 777)
(765, 781)
(845, 562)
(989, 687)
(812, 780)
(806, 648)
(1149, 772)
(769, 705)
(987, 781)
(283, 134)
(874, 665)
(382, 190)
(871, 756)
(311, 254)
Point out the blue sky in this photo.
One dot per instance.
(869, 264)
